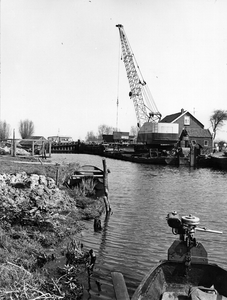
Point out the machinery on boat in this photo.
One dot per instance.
(187, 273)
(151, 131)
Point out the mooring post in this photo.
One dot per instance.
(14, 144)
(57, 174)
(43, 150)
(105, 184)
(33, 148)
(192, 156)
(49, 149)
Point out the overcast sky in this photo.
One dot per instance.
(60, 61)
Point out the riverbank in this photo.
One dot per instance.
(40, 250)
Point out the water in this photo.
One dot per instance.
(136, 236)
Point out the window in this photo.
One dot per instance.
(186, 120)
(206, 143)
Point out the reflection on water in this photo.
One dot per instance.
(136, 236)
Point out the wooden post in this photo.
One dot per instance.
(105, 184)
(43, 150)
(107, 204)
(14, 144)
(57, 174)
(33, 148)
(49, 149)
(192, 156)
(105, 175)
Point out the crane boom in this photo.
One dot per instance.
(138, 88)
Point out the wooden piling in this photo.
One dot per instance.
(57, 174)
(107, 205)
(43, 150)
(192, 156)
(105, 184)
(14, 144)
(105, 174)
(49, 149)
(33, 148)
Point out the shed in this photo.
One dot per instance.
(38, 142)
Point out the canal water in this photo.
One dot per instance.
(136, 235)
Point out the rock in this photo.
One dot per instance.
(42, 180)
(40, 203)
(4, 150)
(22, 194)
(50, 183)
(20, 151)
(34, 180)
(40, 191)
(19, 200)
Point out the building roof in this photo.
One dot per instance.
(174, 117)
(37, 137)
(199, 132)
(171, 118)
(59, 136)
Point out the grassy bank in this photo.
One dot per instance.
(36, 235)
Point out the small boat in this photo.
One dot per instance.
(186, 274)
(88, 172)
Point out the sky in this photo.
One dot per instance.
(61, 67)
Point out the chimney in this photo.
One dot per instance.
(182, 111)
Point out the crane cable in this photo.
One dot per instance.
(118, 80)
(150, 103)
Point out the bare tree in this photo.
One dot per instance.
(90, 137)
(4, 130)
(104, 129)
(217, 120)
(133, 130)
(26, 129)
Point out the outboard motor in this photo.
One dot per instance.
(186, 249)
(184, 226)
(174, 220)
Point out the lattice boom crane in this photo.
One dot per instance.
(145, 107)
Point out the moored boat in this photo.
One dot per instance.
(219, 161)
(204, 161)
(156, 160)
(187, 273)
(92, 174)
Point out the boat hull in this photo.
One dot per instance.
(219, 162)
(158, 160)
(174, 278)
